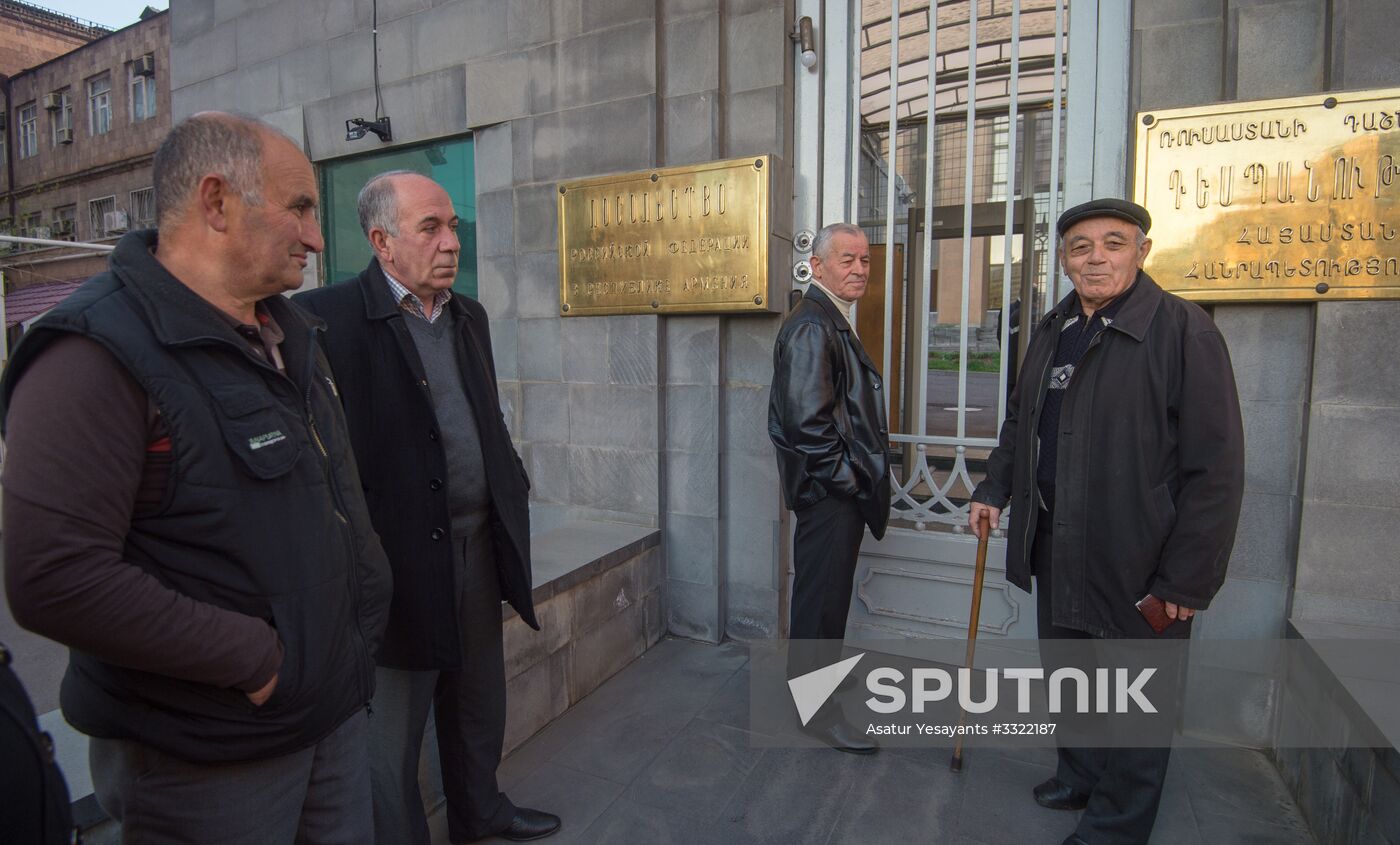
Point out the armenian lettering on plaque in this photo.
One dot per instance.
(1274, 200)
(674, 240)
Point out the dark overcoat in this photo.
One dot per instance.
(1150, 467)
(826, 413)
(393, 428)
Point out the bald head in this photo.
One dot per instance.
(226, 145)
(411, 223)
(378, 201)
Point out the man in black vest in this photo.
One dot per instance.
(826, 417)
(183, 511)
(450, 499)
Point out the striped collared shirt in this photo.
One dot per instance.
(412, 304)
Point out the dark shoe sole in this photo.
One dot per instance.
(550, 832)
(846, 749)
(1064, 797)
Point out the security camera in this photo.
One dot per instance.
(357, 127)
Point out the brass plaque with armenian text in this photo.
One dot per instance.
(678, 240)
(1274, 200)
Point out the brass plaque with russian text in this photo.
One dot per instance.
(677, 240)
(1274, 200)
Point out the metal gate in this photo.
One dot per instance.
(939, 131)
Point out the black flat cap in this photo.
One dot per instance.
(1105, 207)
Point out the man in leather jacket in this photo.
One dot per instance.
(826, 417)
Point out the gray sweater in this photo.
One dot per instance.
(468, 499)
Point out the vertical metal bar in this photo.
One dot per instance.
(807, 127)
(1030, 261)
(853, 98)
(839, 182)
(891, 175)
(926, 281)
(1052, 275)
(857, 19)
(4, 327)
(1014, 92)
(967, 214)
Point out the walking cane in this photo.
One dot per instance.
(979, 574)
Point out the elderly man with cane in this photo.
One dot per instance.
(1123, 455)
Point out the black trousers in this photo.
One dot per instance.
(469, 709)
(825, 548)
(1124, 785)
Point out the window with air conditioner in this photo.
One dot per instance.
(65, 222)
(99, 90)
(143, 89)
(28, 130)
(143, 208)
(31, 226)
(62, 117)
(101, 214)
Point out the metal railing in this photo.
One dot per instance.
(934, 491)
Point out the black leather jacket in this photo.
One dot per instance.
(826, 413)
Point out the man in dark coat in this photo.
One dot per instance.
(1122, 455)
(826, 417)
(449, 497)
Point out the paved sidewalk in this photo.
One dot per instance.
(660, 754)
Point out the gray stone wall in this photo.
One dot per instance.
(647, 419)
(1320, 404)
(1349, 548)
(1317, 540)
(588, 633)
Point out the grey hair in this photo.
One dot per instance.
(1141, 239)
(378, 202)
(821, 244)
(229, 145)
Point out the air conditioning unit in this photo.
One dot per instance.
(62, 227)
(53, 101)
(144, 66)
(114, 221)
(64, 135)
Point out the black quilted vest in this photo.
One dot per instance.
(264, 515)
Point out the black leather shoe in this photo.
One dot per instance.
(1055, 794)
(530, 824)
(843, 737)
(1074, 839)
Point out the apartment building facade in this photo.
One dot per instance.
(31, 35)
(80, 133)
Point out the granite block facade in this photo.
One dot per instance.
(1316, 542)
